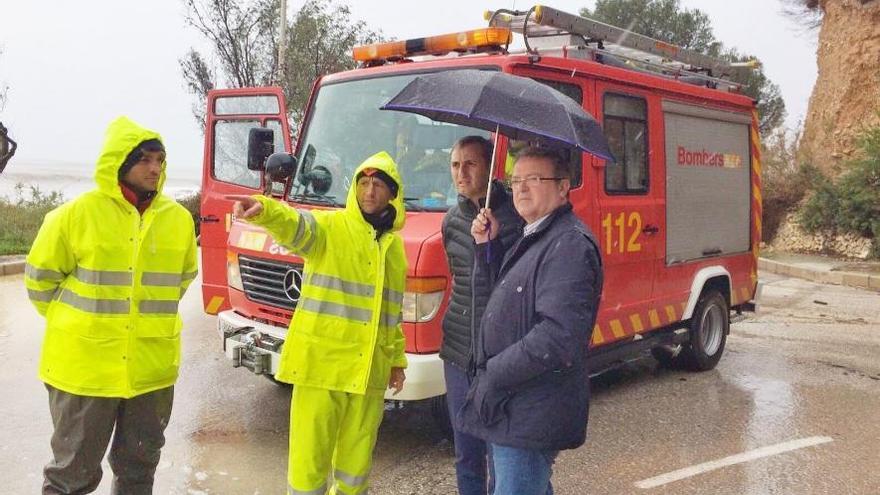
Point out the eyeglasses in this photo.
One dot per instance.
(530, 180)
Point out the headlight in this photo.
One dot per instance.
(419, 308)
(233, 273)
(422, 299)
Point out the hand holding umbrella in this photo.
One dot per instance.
(484, 228)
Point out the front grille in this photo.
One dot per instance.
(271, 282)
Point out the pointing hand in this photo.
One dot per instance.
(245, 206)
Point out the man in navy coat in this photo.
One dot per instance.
(530, 396)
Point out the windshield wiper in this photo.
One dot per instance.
(412, 204)
(314, 199)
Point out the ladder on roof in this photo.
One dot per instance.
(542, 21)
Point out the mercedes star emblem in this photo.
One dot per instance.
(293, 284)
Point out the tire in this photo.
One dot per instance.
(709, 327)
(440, 413)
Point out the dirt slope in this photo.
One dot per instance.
(846, 96)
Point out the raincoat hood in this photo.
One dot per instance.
(385, 163)
(122, 136)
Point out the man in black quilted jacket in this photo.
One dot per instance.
(470, 174)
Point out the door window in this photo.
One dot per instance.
(230, 150)
(626, 127)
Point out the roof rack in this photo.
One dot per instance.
(613, 44)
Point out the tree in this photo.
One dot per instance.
(771, 106)
(320, 42)
(660, 19)
(244, 40)
(666, 20)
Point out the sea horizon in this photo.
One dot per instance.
(72, 179)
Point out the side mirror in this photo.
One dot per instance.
(320, 179)
(280, 166)
(307, 162)
(261, 144)
(7, 148)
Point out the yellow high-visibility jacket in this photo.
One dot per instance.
(345, 334)
(108, 280)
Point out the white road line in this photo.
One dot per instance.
(731, 460)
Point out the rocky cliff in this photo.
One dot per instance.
(846, 96)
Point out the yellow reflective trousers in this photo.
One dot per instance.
(324, 425)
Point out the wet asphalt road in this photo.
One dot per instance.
(807, 367)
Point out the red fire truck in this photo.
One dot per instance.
(677, 212)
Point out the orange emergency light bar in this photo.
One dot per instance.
(434, 45)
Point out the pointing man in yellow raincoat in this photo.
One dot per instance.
(345, 345)
(107, 270)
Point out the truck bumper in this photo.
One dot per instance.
(257, 347)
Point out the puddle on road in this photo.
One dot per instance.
(772, 418)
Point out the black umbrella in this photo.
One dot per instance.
(518, 107)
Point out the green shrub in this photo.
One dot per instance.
(784, 181)
(193, 204)
(852, 203)
(819, 213)
(21, 217)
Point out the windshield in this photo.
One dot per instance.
(347, 127)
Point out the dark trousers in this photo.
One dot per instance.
(83, 427)
(473, 468)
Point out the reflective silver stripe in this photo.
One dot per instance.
(42, 274)
(318, 491)
(156, 306)
(103, 306)
(336, 309)
(389, 320)
(300, 228)
(392, 295)
(351, 480)
(335, 283)
(102, 277)
(41, 295)
(313, 230)
(187, 276)
(161, 279)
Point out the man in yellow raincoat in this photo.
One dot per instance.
(345, 345)
(107, 270)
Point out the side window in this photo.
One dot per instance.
(626, 127)
(275, 125)
(230, 150)
(574, 92)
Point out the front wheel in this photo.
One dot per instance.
(710, 325)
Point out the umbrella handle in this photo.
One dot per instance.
(492, 167)
(489, 244)
(489, 192)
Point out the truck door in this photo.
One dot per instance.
(579, 90)
(230, 115)
(629, 194)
